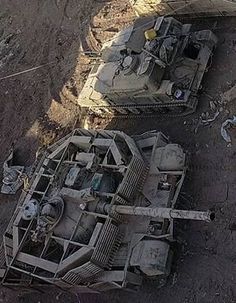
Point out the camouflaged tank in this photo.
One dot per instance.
(153, 67)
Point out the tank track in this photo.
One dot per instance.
(148, 110)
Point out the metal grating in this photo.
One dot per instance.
(133, 179)
(103, 256)
(82, 274)
(106, 245)
(119, 200)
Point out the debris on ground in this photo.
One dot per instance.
(225, 126)
(206, 118)
(13, 176)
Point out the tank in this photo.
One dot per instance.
(153, 67)
(98, 214)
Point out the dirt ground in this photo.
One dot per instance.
(38, 107)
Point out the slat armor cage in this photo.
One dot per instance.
(66, 230)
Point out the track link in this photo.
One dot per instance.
(146, 110)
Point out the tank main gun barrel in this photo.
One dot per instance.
(167, 213)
